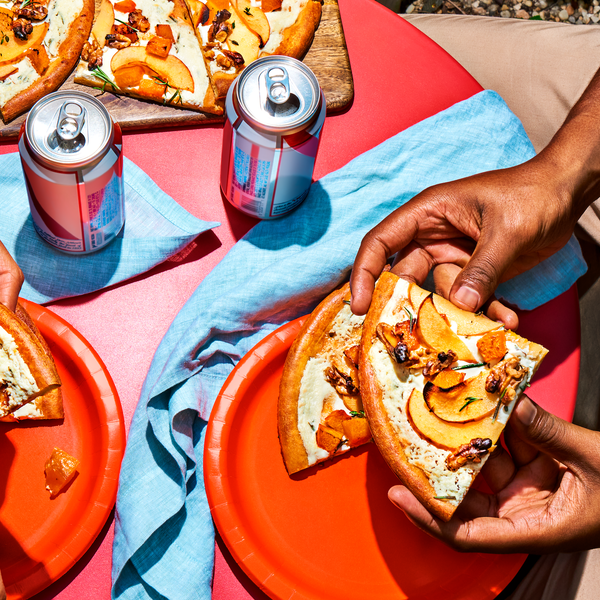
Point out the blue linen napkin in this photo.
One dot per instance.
(280, 270)
(156, 228)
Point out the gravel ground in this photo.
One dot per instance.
(576, 13)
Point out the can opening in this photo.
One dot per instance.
(289, 107)
(67, 136)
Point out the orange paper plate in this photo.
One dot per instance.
(42, 538)
(328, 532)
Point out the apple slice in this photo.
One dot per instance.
(104, 22)
(7, 71)
(436, 333)
(128, 77)
(199, 12)
(254, 19)
(14, 50)
(169, 69)
(125, 6)
(467, 322)
(241, 39)
(416, 296)
(6, 19)
(467, 401)
(215, 6)
(443, 434)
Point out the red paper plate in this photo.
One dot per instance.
(42, 538)
(328, 532)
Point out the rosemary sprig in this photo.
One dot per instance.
(128, 25)
(412, 319)
(498, 405)
(347, 302)
(469, 400)
(357, 413)
(176, 97)
(444, 497)
(247, 10)
(468, 366)
(100, 74)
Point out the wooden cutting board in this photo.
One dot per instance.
(327, 57)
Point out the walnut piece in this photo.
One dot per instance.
(442, 361)
(22, 28)
(505, 377)
(223, 61)
(219, 29)
(235, 57)
(474, 451)
(342, 382)
(34, 11)
(137, 20)
(92, 54)
(118, 41)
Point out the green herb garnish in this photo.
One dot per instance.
(498, 405)
(247, 10)
(176, 97)
(444, 497)
(469, 400)
(468, 366)
(125, 23)
(233, 25)
(357, 413)
(234, 43)
(412, 319)
(347, 302)
(100, 74)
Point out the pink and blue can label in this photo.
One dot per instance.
(275, 113)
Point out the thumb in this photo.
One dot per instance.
(550, 434)
(482, 274)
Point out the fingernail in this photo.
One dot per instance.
(468, 297)
(526, 411)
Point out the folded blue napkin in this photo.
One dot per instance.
(280, 270)
(156, 228)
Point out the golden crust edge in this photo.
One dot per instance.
(304, 346)
(59, 69)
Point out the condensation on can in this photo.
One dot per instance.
(71, 153)
(275, 113)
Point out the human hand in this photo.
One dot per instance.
(494, 226)
(11, 280)
(545, 493)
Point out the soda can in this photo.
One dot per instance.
(275, 113)
(73, 165)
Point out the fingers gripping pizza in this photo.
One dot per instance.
(438, 386)
(29, 381)
(320, 413)
(40, 42)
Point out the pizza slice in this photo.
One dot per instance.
(234, 33)
(27, 370)
(320, 413)
(147, 49)
(47, 406)
(438, 386)
(40, 42)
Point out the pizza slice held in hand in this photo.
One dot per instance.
(320, 412)
(438, 386)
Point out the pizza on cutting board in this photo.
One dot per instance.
(188, 52)
(438, 386)
(40, 43)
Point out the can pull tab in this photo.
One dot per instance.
(278, 85)
(70, 120)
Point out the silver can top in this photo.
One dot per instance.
(278, 94)
(68, 129)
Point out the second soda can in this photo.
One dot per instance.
(275, 112)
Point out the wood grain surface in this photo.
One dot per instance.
(327, 57)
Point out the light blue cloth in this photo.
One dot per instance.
(156, 228)
(164, 534)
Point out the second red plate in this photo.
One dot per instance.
(328, 532)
